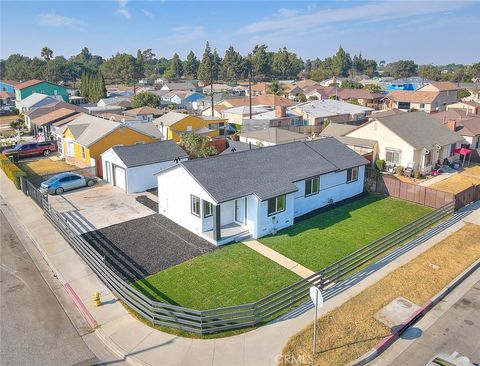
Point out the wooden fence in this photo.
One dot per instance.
(391, 186)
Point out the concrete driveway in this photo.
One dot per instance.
(102, 205)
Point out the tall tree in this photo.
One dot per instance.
(145, 99)
(401, 69)
(429, 72)
(216, 65)
(260, 63)
(190, 67)
(119, 68)
(233, 67)
(275, 88)
(341, 63)
(205, 64)
(175, 69)
(46, 53)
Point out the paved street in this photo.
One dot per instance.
(34, 328)
(458, 329)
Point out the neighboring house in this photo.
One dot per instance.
(364, 97)
(184, 98)
(27, 88)
(432, 97)
(104, 109)
(145, 113)
(368, 148)
(35, 100)
(217, 88)
(271, 136)
(464, 123)
(187, 86)
(319, 112)
(46, 106)
(77, 100)
(83, 140)
(469, 106)
(133, 167)
(332, 81)
(124, 102)
(117, 117)
(7, 98)
(173, 124)
(43, 124)
(291, 91)
(8, 86)
(406, 138)
(258, 89)
(258, 192)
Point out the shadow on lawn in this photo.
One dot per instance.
(122, 264)
(307, 221)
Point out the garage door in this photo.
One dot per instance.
(120, 177)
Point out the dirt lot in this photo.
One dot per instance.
(467, 177)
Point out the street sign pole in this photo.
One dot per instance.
(317, 299)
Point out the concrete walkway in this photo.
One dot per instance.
(139, 344)
(438, 178)
(279, 258)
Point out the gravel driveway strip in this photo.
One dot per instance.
(137, 248)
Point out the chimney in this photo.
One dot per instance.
(280, 111)
(452, 125)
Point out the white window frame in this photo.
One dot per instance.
(195, 205)
(277, 208)
(207, 209)
(70, 148)
(312, 191)
(353, 174)
(393, 151)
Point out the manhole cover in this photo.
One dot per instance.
(396, 312)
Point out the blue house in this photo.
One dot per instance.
(8, 86)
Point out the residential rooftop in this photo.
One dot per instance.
(274, 135)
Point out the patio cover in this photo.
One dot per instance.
(463, 151)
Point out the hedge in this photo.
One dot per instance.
(12, 171)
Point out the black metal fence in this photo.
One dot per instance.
(30, 190)
(240, 316)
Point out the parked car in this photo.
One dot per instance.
(62, 182)
(455, 359)
(28, 149)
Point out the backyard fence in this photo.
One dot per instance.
(240, 316)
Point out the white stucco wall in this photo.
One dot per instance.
(265, 223)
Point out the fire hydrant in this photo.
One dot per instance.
(96, 299)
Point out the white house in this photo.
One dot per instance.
(257, 192)
(133, 167)
(408, 138)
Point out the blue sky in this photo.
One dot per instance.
(437, 32)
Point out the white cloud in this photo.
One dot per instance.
(122, 9)
(283, 12)
(371, 12)
(147, 13)
(58, 21)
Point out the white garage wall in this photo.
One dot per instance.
(141, 178)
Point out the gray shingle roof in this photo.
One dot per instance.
(420, 130)
(270, 171)
(146, 128)
(274, 135)
(238, 146)
(151, 153)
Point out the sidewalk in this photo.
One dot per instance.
(140, 344)
(279, 258)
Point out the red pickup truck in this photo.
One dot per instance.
(28, 149)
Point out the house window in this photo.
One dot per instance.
(195, 205)
(352, 174)
(422, 105)
(83, 152)
(452, 147)
(393, 156)
(276, 205)
(312, 186)
(207, 209)
(70, 148)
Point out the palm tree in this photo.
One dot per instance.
(46, 53)
(275, 88)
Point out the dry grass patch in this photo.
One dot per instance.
(461, 181)
(45, 166)
(351, 330)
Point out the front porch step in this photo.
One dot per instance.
(243, 237)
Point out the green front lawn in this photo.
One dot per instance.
(231, 275)
(333, 234)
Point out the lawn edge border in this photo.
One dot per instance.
(389, 340)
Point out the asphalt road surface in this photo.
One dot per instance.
(458, 330)
(34, 329)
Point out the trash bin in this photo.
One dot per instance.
(13, 157)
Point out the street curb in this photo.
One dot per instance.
(80, 305)
(115, 349)
(390, 339)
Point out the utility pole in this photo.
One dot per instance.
(134, 90)
(250, 92)
(211, 84)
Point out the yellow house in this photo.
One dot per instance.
(173, 124)
(83, 140)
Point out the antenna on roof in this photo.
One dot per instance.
(177, 160)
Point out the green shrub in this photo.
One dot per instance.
(399, 170)
(12, 171)
(380, 164)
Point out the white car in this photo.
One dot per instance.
(442, 359)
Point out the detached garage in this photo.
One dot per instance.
(133, 167)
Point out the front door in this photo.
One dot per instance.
(241, 211)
